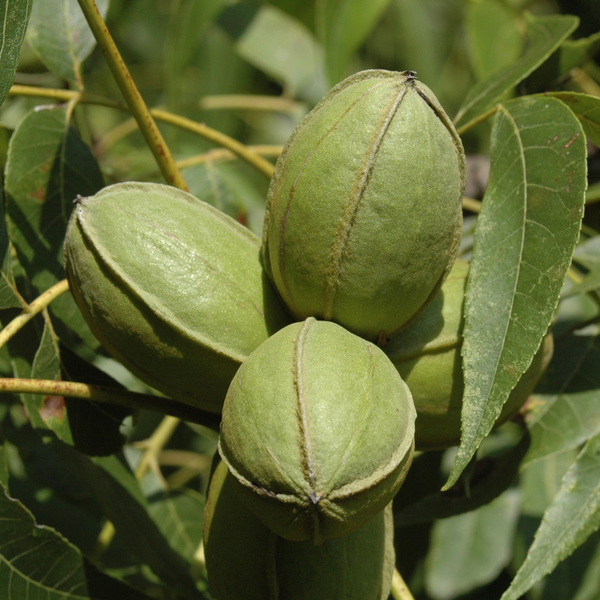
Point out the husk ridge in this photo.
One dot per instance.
(150, 300)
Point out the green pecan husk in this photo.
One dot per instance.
(427, 356)
(364, 218)
(247, 561)
(318, 431)
(172, 288)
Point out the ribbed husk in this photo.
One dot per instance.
(318, 430)
(247, 561)
(363, 217)
(173, 288)
(427, 356)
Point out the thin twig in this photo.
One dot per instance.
(471, 204)
(249, 102)
(480, 119)
(222, 154)
(33, 309)
(252, 158)
(584, 82)
(132, 96)
(153, 446)
(98, 393)
(400, 590)
(257, 161)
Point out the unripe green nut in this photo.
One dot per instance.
(247, 561)
(363, 218)
(172, 288)
(318, 430)
(427, 356)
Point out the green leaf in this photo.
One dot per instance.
(526, 233)
(342, 26)
(48, 412)
(565, 410)
(285, 49)
(587, 252)
(571, 54)
(178, 514)
(587, 110)
(92, 427)
(95, 426)
(3, 461)
(571, 518)
(578, 576)
(230, 188)
(493, 36)
(188, 22)
(9, 296)
(540, 482)
(48, 166)
(493, 476)
(545, 35)
(37, 562)
(117, 493)
(14, 16)
(417, 40)
(471, 549)
(61, 37)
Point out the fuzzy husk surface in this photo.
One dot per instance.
(363, 218)
(247, 561)
(318, 431)
(172, 288)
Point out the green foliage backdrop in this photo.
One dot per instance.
(102, 500)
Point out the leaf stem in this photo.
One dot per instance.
(64, 96)
(239, 149)
(105, 537)
(400, 590)
(480, 119)
(593, 193)
(222, 154)
(257, 161)
(98, 393)
(576, 277)
(132, 96)
(33, 309)
(471, 204)
(155, 443)
(250, 102)
(584, 82)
